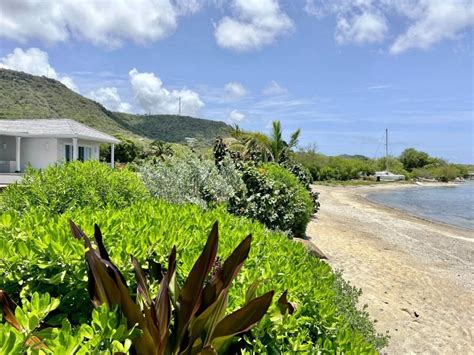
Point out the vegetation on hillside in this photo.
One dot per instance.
(27, 96)
(173, 128)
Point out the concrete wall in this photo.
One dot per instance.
(39, 152)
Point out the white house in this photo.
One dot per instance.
(42, 142)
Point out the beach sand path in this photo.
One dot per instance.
(416, 276)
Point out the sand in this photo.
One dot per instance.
(417, 276)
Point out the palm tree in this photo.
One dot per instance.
(267, 148)
(160, 150)
(279, 147)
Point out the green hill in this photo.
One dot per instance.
(27, 96)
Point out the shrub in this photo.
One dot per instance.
(125, 152)
(444, 173)
(305, 178)
(39, 254)
(191, 180)
(264, 200)
(300, 204)
(73, 185)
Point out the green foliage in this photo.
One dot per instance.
(187, 320)
(38, 253)
(158, 151)
(125, 152)
(324, 168)
(190, 179)
(300, 203)
(305, 178)
(267, 201)
(412, 159)
(174, 128)
(444, 173)
(73, 185)
(24, 330)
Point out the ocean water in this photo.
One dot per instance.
(451, 204)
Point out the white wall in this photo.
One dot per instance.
(62, 142)
(39, 152)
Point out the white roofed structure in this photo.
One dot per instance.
(42, 142)
(58, 128)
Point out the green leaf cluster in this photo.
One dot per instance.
(37, 254)
(73, 185)
(300, 203)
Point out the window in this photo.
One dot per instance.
(87, 153)
(81, 154)
(68, 152)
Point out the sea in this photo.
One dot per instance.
(452, 204)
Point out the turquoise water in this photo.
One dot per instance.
(452, 205)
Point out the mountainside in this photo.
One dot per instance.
(27, 96)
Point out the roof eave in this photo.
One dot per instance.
(110, 140)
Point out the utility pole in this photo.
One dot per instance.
(179, 109)
(386, 149)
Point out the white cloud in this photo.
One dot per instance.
(236, 116)
(34, 61)
(235, 90)
(274, 89)
(368, 27)
(154, 98)
(256, 23)
(105, 23)
(367, 21)
(110, 98)
(435, 21)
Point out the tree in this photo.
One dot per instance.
(279, 147)
(125, 152)
(159, 150)
(412, 159)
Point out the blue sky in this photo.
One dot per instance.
(340, 70)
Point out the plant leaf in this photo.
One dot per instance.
(190, 296)
(284, 305)
(244, 318)
(8, 309)
(142, 286)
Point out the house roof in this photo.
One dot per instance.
(57, 128)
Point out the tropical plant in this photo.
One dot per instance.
(73, 185)
(280, 148)
(159, 150)
(186, 320)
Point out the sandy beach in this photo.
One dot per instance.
(417, 276)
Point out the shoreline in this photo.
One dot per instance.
(363, 192)
(417, 275)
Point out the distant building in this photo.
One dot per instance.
(42, 142)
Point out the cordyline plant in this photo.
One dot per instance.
(190, 320)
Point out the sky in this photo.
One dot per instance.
(341, 70)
